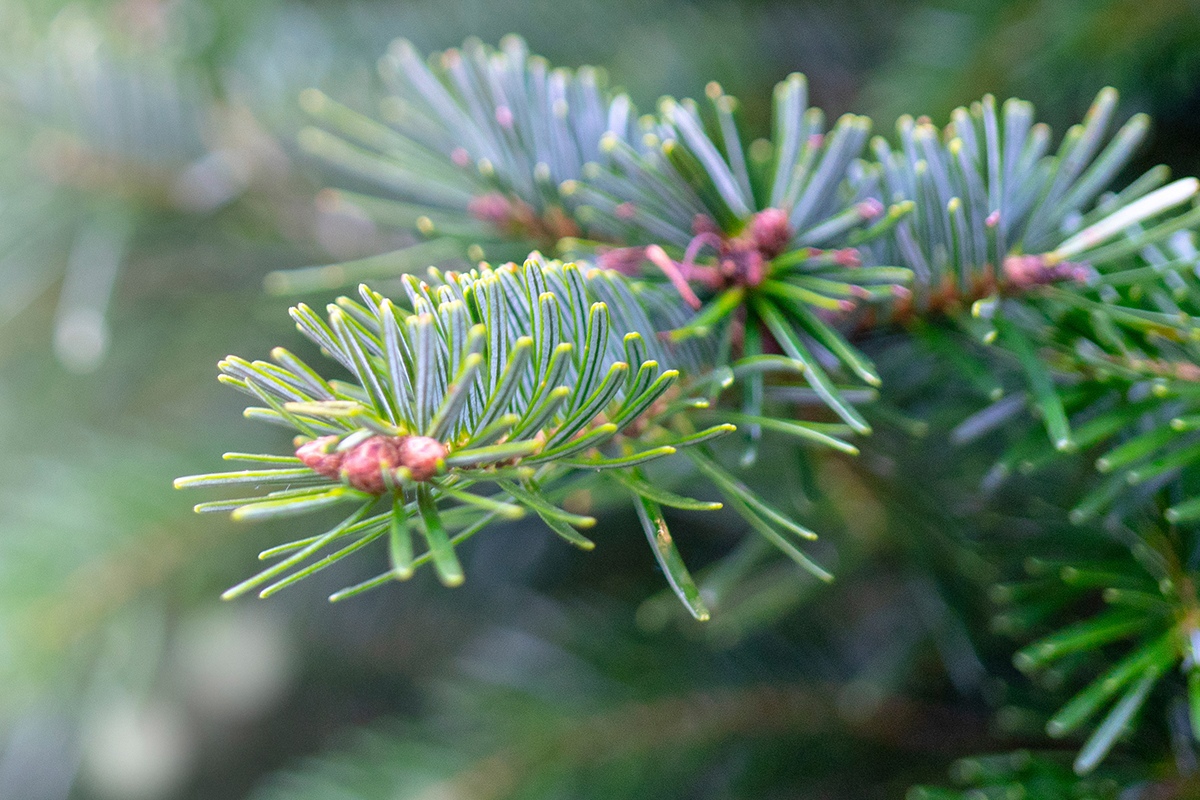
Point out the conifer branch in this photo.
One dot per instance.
(760, 263)
(468, 153)
(491, 390)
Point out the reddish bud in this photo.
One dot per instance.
(1023, 270)
(493, 208)
(1026, 271)
(421, 455)
(319, 456)
(364, 464)
(870, 208)
(847, 257)
(625, 210)
(770, 231)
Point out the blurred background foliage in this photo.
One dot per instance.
(149, 180)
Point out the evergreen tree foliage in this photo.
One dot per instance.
(962, 350)
(756, 284)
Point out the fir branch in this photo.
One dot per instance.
(490, 148)
(472, 147)
(755, 237)
(1025, 242)
(479, 399)
(1152, 613)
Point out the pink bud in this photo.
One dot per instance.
(319, 456)
(504, 116)
(770, 231)
(847, 257)
(625, 210)
(460, 156)
(493, 208)
(870, 208)
(421, 455)
(1025, 271)
(364, 464)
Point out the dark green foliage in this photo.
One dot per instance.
(1025, 775)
